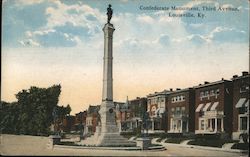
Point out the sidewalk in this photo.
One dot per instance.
(184, 144)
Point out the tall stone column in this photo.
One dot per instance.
(107, 91)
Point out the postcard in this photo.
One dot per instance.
(125, 78)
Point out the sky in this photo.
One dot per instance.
(46, 42)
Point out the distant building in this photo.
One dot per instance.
(213, 107)
(240, 105)
(129, 114)
(92, 119)
(181, 111)
(157, 109)
(68, 124)
(80, 120)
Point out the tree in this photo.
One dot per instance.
(32, 113)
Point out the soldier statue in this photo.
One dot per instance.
(109, 13)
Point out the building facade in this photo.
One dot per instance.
(213, 107)
(92, 119)
(240, 105)
(80, 121)
(130, 114)
(181, 111)
(157, 110)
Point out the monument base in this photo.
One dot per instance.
(107, 140)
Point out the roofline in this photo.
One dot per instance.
(240, 77)
(182, 90)
(211, 84)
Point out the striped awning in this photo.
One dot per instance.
(214, 106)
(206, 106)
(198, 109)
(240, 103)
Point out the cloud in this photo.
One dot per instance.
(197, 39)
(29, 2)
(145, 19)
(29, 42)
(225, 34)
(77, 14)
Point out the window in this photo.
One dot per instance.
(244, 88)
(183, 98)
(202, 125)
(172, 110)
(177, 110)
(206, 93)
(243, 123)
(183, 110)
(217, 91)
(201, 94)
(212, 93)
(180, 98)
(172, 99)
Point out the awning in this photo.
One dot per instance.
(206, 106)
(247, 103)
(198, 109)
(214, 106)
(240, 103)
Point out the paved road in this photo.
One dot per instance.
(33, 145)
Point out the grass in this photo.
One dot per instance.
(68, 144)
(210, 142)
(242, 146)
(176, 140)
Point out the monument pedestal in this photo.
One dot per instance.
(109, 135)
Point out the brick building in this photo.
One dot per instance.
(213, 107)
(157, 109)
(68, 124)
(129, 115)
(80, 120)
(92, 119)
(240, 105)
(181, 111)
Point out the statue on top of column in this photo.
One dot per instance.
(109, 13)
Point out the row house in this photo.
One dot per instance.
(80, 120)
(129, 115)
(240, 105)
(157, 110)
(181, 111)
(213, 107)
(92, 119)
(68, 124)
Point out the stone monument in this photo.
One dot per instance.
(107, 133)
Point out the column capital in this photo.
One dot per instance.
(108, 28)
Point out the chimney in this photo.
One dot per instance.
(199, 84)
(244, 73)
(235, 76)
(206, 82)
(171, 89)
(222, 78)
